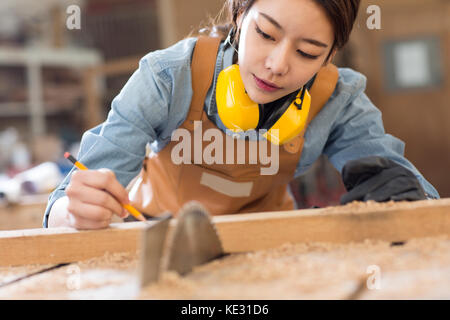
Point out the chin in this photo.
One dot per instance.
(262, 98)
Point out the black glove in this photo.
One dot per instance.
(379, 179)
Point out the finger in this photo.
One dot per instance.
(87, 194)
(81, 223)
(125, 213)
(103, 179)
(88, 211)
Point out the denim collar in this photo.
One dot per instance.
(224, 60)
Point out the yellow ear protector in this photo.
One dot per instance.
(283, 119)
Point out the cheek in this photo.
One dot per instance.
(302, 73)
(251, 48)
(248, 54)
(301, 78)
(250, 62)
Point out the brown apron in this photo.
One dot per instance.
(222, 188)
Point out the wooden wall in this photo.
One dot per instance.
(177, 18)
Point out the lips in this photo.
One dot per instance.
(265, 85)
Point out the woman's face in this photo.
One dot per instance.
(282, 44)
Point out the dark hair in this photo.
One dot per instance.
(341, 13)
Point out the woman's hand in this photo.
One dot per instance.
(93, 196)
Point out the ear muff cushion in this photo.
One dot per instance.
(291, 123)
(236, 110)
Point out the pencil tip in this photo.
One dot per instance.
(66, 155)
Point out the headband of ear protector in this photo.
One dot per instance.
(283, 119)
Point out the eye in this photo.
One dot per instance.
(263, 34)
(308, 56)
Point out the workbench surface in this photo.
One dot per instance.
(416, 269)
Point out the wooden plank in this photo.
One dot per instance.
(241, 232)
(60, 245)
(21, 216)
(395, 222)
(25, 215)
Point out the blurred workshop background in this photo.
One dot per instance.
(56, 81)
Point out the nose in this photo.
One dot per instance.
(278, 60)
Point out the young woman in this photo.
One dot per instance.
(283, 51)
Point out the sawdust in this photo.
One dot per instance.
(319, 270)
(118, 260)
(8, 274)
(373, 206)
(418, 269)
(369, 206)
(76, 280)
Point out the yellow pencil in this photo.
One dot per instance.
(129, 207)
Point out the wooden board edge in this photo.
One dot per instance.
(238, 233)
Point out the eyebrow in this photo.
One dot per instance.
(278, 26)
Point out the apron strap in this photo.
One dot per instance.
(202, 73)
(322, 89)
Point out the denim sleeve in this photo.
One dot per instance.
(138, 115)
(358, 131)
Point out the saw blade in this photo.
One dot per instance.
(152, 246)
(194, 240)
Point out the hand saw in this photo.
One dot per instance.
(194, 241)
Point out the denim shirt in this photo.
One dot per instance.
(156, 99)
